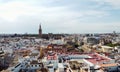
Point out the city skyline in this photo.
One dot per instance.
(56, 16)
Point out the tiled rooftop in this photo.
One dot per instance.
(97, 59)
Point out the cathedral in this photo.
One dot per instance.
(49, 35)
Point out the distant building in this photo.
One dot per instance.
(52, 61)
(49, 35)
(90, 41)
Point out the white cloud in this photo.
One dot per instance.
(25, 15)
(11, 10)
(96, 13)
(114, 3)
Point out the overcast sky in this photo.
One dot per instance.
(59, 16)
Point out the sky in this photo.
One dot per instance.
(59, 16)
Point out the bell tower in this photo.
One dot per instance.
(40, 30)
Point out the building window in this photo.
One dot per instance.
(35, 65)
(31, 65)
(39, 65)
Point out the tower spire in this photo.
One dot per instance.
(40, 26)
(40, 30)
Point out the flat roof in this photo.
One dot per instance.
(60, 65)
(109, 65)
(89, 63)
(106, 47)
